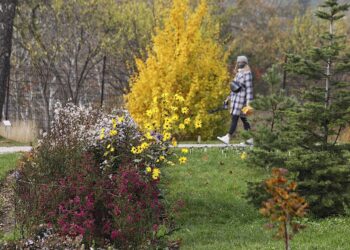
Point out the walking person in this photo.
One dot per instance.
(240, 97)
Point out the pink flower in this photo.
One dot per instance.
(80, 214)
(117, 211)
(79, 230)
(61, 208)
(76, 200)
(115, 234)
(89, 224)
(106, 227)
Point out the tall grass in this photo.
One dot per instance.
(20, 131)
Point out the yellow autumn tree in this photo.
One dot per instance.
(186, 61)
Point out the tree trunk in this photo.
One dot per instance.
(7, 15)
(103, 80)
(328, 84)
(328, 71)
(7, 99)
(286, 234)
(284, 82)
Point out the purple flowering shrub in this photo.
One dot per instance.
(74, 182)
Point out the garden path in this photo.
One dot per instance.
(6, 150)
(221, 145)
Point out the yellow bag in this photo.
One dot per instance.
(247, 110)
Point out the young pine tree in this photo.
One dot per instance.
(320, 162)
(270, 147)
(184, 60)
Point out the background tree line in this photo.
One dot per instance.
(84, 51)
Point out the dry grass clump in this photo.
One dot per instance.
(345, 136)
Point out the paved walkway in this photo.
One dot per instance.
(222, 145)
(6, 150)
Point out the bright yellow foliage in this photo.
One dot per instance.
(185, 60)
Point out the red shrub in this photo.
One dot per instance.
(120, 207)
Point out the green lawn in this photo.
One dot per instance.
(7, 163)
(216, 215)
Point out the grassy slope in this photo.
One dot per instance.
(7, 163)
(216, 216)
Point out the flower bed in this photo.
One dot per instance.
(94, 176)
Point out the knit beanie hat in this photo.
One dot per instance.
(242, 59)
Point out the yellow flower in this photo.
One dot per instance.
(121, 119)
(139, 150)
(144, 145)
(166, 136)
(174, 108)
(114, 122)
(179, 98)
(156, 173)
(244, 156)
(182, 160)
(174, 142)
(187, 121)
(148, 126)
(113, 132)
(108, 146)
(184, 150)
(149, 136)
(149, 113)
(102, 134)
(161, 158)
(198, 124)
(112, 149)
(134, 150)
(185, 110)
(167, 126)
(148, 169)
(175, 117)
(182, 126)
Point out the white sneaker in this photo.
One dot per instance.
(250, 141)
(225, 139)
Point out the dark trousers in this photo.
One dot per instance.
(234, 123)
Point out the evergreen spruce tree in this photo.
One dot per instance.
(306, 140)
(270, 146)
(319, 160)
